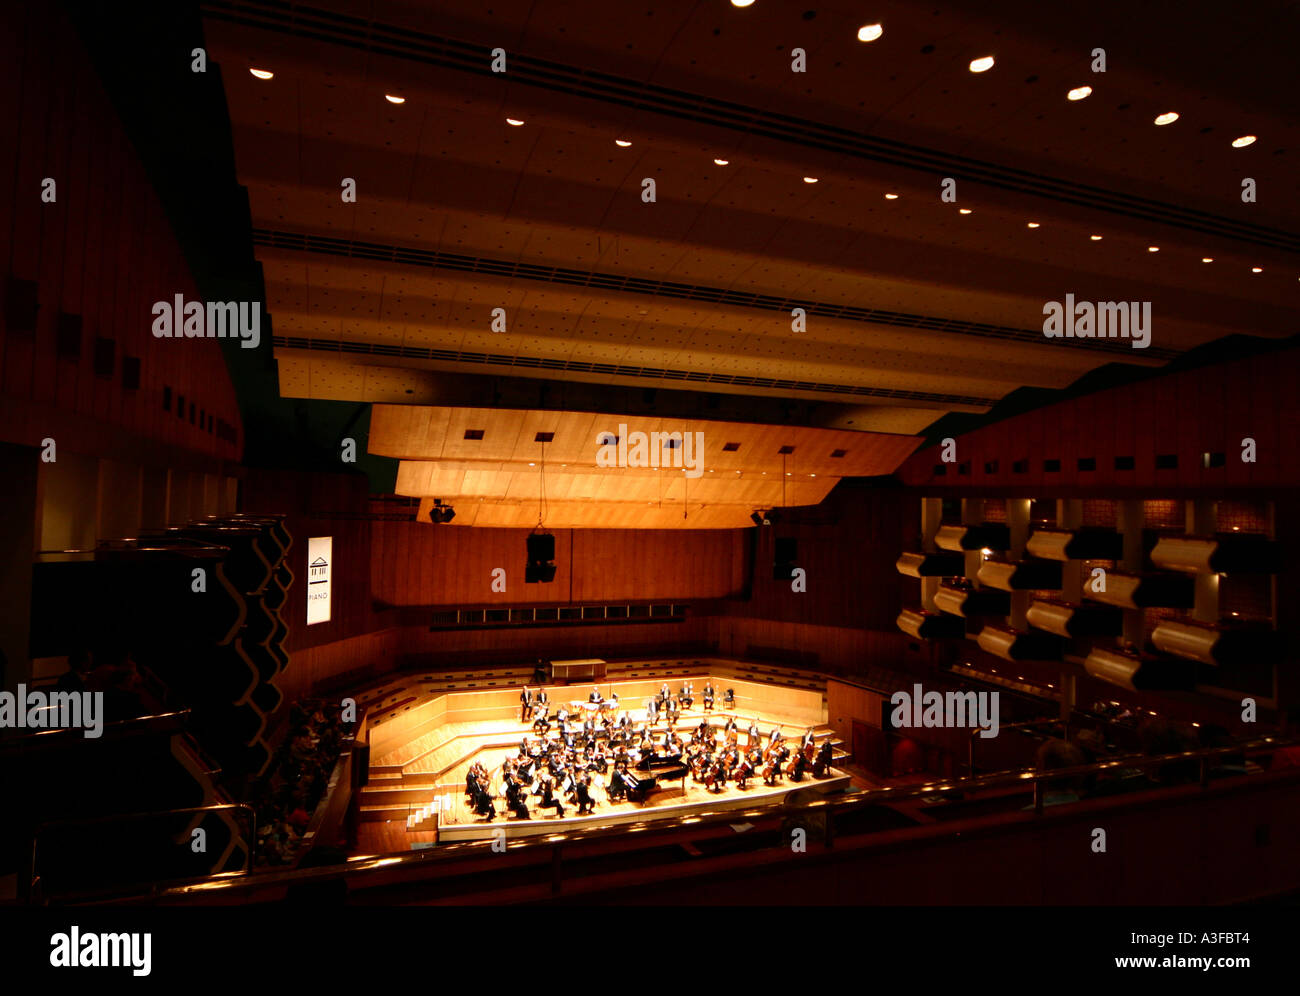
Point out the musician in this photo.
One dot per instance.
(808, 738)
(517, 799)
(541, 699)
(776, 736)
(674, 709)
(687, 695)
(549, 798)
(589, 729)
(755, 736)
(624, 722)
(731, 725)
(825, 755)
(525, 704)
(617, 788)
(652, 710)
(586, 804)
(708, 696)
(541, 726)
(663, 692)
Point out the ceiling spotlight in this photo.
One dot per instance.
(742, 3)
(891, 197)
(1207, 259)
(262, 74)
(622, 143)
(963, 210)
(516, 122)
(1169, 117)
(982, 64)
(810, 179)
(394, 100)
(1256, 269)
(1078, 93)
(870, 32)
(1153, 248)
(1032, 224)
(441, 513)
(759, 519)
(1245, 140)
(722, 162)
(1095, 238)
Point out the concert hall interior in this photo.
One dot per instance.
(616, 452)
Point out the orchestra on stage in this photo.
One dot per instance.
(591, 748)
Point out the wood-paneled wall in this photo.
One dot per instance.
(102, 252)
(421, 564)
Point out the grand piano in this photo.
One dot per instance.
(650, 771)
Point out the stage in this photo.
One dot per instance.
(419, 761)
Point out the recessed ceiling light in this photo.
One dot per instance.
(622, 143)
(262, 74)
(532, 465)
(891, 197)
(1207, 259)
(1078, 93)
(741, 3)
(1256, 269)
(1169, 117)
(963, 210)
(810, 179)
(1095, 238)
(1032, 224)
(1153, 248)
(722, 162)
(1245, 140)
(870, 32)
(981, 64)
(394, 100)
(514, 121)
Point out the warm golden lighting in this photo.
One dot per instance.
(1256, 269)
(742, 3)
(963, 210)
(516, 122)
(1207, 259)
(1153, 248)
(721, 162)
(1169, 117)
(982, 64)
(1032, 224)
(394, 100)
(262, 74)
(1245, 140)
(870, 32)
(810, 179)
(1095, 238)
(1078, 93)
(891, 197)
(622, 143)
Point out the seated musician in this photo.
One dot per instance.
(549, 799)
(595, 695)
(624, 721)
(754, 735)
(776, 737)
(708, 696)
(663, 692)
(617, 788)
(808, 738)
(586, 803)
(731, 725)
(541, 726)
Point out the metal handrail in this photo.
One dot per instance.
(549, 844)
(35, 876)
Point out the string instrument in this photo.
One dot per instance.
(797, 766)
(742, 771)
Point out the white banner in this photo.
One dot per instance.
(320, 551)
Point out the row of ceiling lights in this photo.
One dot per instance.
(985, 63)
(870, 32)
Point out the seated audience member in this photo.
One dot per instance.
(1055, 754)
(75, 677)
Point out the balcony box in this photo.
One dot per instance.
(1076, 544)
(1019, 645)
(970, 602)
(1224, 553)
(987, 535)
(1217, 645)
(1023, 575)
(930, 625)
(1075, 619)
(1143, 591)
(1139, 673)
(931, 565)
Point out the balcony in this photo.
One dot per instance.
(1075, 619)
(930, 625)
(963, 539)
(931, 565)
(1088, 543)
(1221, 646)
(968, 602)
(1022, 575)
(1139, 672)
(1019, 645)
(1143, 591)
(1224, 553)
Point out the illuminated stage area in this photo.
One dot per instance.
(420, 759)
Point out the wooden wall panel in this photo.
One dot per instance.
(103, 250)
